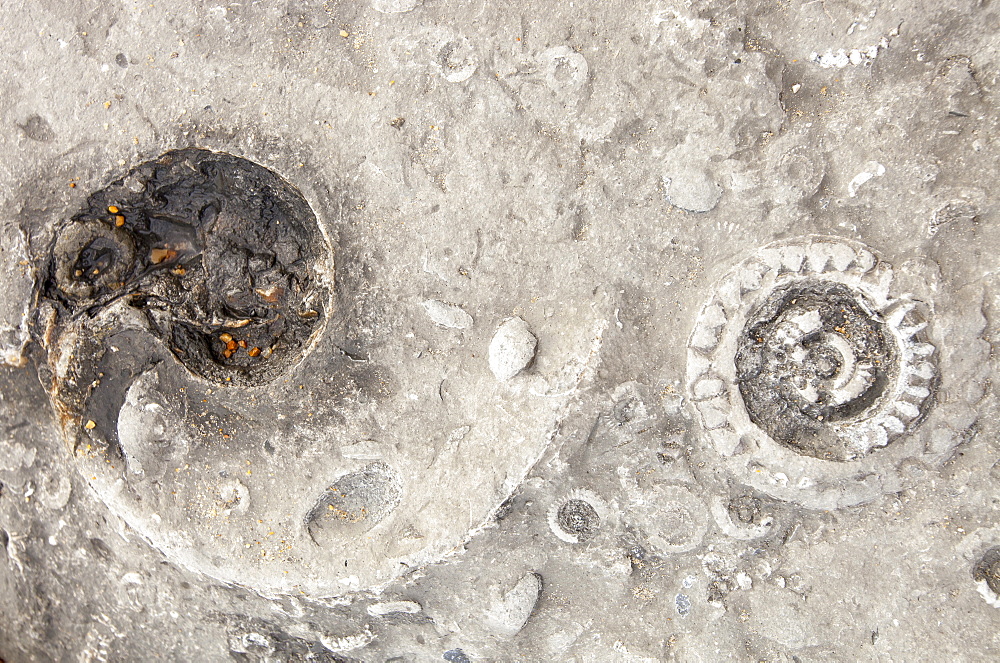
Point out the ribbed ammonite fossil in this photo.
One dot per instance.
(804, 360)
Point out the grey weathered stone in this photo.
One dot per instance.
(623, 194)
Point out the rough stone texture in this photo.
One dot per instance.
(632, 180)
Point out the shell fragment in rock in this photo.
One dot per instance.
(447, 315)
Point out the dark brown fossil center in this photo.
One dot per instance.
(218, 253)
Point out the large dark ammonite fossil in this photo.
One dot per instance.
(216, 252)
(194, 363)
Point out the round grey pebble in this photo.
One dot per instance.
(509, 615)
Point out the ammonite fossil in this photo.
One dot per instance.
(816, 357)
(218, 254)
(805, 368)
(194, 328)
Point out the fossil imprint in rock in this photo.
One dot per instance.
(219, 255)
(815, 358)
(808, 372)
(193, 326)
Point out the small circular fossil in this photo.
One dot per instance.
(743, 517)
(805, 363)
(578, 517)
(671, 519)
(564, 69)
(796, 175)
(456, 58)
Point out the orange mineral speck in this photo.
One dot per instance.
(156, 256)
(270, 295)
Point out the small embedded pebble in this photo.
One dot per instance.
(456, 656)
(512, 348)
(447, 315)
(692, 190)
(683, 605)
